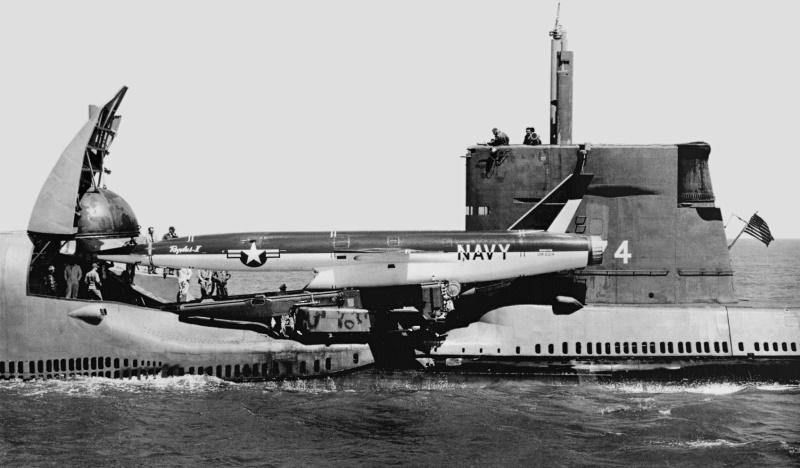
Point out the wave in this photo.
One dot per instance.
(703, 388)
(706, 443)
(89, 386)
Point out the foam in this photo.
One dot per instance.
(97, 386)
(722, 388)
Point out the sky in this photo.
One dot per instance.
(353, 115)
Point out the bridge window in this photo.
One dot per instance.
(662, 348)
(784, 346)
(538, 349)
(302, 367)
(564, 348)
(680, 347)
(518, 350)
(589, 348)
(652, 348)
(794, 347)
(644, 347)
(774, 346)
(483, 210)
(550, 348)
(328, 364)
(757, 346)
(616, 347)
(469, 211)
(724, 346)
(578, 348)
(741, 346)
(625, 348)
(706, 347)
(699, 347)
(688, 346)
(634, 348)
(598, 347)
(669, 348)
(716, 346)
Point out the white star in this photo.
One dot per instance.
(253, 254)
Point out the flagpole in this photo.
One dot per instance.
(740, 232)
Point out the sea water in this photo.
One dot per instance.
(409, 419)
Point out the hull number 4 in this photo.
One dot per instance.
(623, 253)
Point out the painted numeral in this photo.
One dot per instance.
(622, 252)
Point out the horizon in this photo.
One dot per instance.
(354, 116)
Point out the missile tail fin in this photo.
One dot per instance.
(555, 212)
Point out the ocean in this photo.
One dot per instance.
(373, 418)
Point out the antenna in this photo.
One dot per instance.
(556, 32)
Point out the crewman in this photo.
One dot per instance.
(72, 276)
(500, 138)
(92, 280)
(169, 235)
(531, 138)
(282, 290)
(206, 286)
(50, 285)
(220, 280)
(150, 239)
(184, 275)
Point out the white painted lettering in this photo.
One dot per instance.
(174, 249)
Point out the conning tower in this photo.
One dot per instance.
(654, 204)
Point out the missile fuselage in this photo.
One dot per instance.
(372, 259)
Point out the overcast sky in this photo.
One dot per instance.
(353, 115)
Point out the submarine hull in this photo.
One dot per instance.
(44, 337)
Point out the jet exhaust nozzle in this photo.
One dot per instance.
(598, 247)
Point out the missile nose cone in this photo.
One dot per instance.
(598, 246)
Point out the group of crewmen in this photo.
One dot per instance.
(501, 139)
(212, 284)
(73, 273)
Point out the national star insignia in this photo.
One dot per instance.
(253, 257)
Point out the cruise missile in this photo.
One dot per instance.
(374, 259)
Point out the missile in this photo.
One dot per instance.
(375, 259)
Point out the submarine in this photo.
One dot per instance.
(660, 302)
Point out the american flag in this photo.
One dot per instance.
(758, 228)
